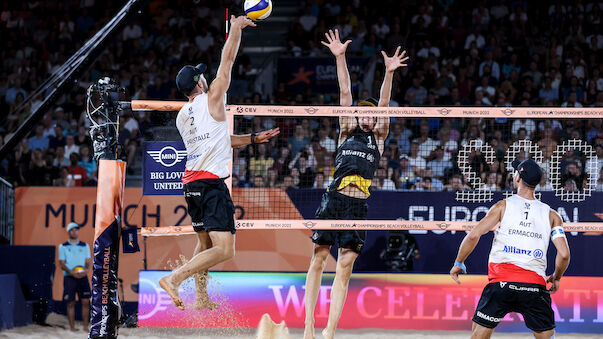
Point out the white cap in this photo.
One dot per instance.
(71, 226)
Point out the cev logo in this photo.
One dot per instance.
(167, 156)
(152, 295)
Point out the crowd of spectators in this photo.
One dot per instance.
(495, 53)
(39, 36)
(485, 53)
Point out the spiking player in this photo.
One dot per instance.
(204, 130)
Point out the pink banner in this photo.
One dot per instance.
(386, 301)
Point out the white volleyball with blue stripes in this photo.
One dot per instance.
(258, 9)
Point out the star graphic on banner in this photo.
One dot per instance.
(301, 76)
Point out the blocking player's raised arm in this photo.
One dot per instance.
(391, 64)
(343, 75)
(220, 85)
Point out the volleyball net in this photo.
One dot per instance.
(442, 167)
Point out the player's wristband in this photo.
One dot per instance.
(461, 266)
(253, 138)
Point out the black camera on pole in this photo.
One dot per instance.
(400, 250)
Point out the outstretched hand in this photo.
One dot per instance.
(396, 61)
(334, 43)
(241, 21)
(265, 136)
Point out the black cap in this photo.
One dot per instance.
(369, 102)
(188, 77)
(529, 171)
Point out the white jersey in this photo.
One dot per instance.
(523, 236)
(207, 141)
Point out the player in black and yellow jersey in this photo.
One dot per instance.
(361, 142)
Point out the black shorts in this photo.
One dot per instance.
(71, 286)
(337, 206)
(210, 205)
(532, 301)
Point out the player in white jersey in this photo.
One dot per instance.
(517, 262)
(204, 130)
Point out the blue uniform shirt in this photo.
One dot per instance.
(74, 254)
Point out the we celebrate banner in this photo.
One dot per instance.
(386, 301)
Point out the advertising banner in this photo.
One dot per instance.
(320, 74)
(162, 167)
(385, 301)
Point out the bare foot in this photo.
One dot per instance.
(326, 334)
(85, 328)
(172, 290)
(73, 329)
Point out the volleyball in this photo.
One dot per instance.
(258, 9)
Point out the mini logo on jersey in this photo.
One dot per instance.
(527, 205)
(167, 156)
(538, 254)
(309, 224)
(502, 284)
(507, 111)
(444, 111)
(190, 110)
(311, 110)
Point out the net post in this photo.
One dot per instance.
(103, 109)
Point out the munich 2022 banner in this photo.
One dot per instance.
(386, 301)
(162, 167)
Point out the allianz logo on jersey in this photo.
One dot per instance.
(167, 156)
(538, 254)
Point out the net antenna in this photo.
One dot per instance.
(103, 109)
